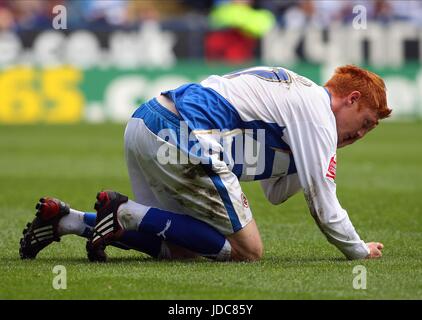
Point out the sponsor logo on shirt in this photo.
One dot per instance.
(331, 173)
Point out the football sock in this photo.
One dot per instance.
(144, 242)
(89, 218)
(77, 223)
(182, 230)
(82, 223)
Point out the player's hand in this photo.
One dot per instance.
(375, 250)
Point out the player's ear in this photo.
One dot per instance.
(353, 97)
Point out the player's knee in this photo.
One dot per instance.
(246, 244)
(257, 253)
(252, 256)
(251, 253)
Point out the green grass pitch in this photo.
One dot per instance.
(379, 182)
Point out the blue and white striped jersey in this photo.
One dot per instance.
(295, 116)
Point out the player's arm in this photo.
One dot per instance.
(313, 149)
(279, 189)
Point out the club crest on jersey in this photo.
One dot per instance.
(245, 201)
(331, 173)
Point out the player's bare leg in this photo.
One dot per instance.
(55, 219)
(246, 244)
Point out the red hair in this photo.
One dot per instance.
(349, 78)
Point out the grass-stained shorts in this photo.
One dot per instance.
(164, 176)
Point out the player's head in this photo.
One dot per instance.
(358, 101)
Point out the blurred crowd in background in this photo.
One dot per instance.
(214, 29)
(20, 15)
(115, 47)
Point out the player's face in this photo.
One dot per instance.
(353, 124)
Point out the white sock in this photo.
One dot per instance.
(130, 214)
(73, 223)
(225, 252)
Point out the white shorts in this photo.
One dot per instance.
(210, 193)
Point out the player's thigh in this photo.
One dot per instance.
(190, 189)
(134, 161)
(211, 195)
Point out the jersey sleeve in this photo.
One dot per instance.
(279, 189)
(314, 149)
